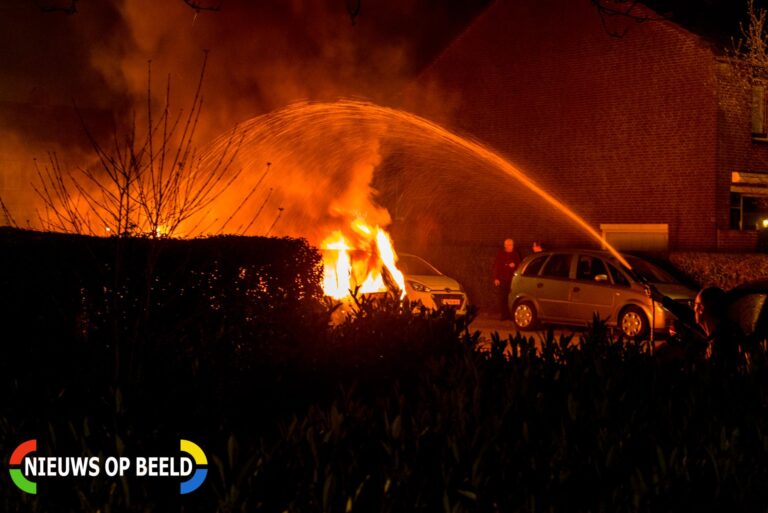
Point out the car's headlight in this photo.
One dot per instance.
(418, 287)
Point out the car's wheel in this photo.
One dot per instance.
(633, 323)
(524, 315)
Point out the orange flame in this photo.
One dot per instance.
(348, 266)
(337, 275)
(389, 258)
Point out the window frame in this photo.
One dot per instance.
(543, 258)
(569, 276)
(592, 280)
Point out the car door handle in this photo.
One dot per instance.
(576, 289)
(539, 285)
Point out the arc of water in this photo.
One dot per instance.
(496, 160)
(277, 124)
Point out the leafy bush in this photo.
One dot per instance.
(598, 427)
(594, 426)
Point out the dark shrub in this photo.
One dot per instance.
(83, 309)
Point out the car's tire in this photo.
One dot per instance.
(524, 315)
(633, 323)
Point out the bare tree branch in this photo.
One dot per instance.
(624, 10)
(7, 213)
(353, 8)
(199, 7)
(749, 54)
(258, 212)
(246, 198)
(279, 214)
(52, 6)
(148, 184)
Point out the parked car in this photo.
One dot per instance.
(426, 284)
(569, 287)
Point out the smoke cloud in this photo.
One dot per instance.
(262, 56)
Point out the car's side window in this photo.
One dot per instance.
(589, 267)
(618, 276)
(558, 266)
(598, 268)
(533, 267)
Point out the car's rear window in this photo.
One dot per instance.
(534, 266)
(558, 266)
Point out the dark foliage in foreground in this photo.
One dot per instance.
(388, 411)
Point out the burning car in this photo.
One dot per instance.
(364, 260)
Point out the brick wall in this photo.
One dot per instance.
(736, 150)
(737, 240)
(624, 130)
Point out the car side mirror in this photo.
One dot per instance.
(601, 277)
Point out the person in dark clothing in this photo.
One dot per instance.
(507, 260)
(714, 336)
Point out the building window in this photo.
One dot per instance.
(735, 223)
(749, 201)
(748, 212)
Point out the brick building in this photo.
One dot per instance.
(648, 136)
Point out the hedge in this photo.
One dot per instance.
(724, 270)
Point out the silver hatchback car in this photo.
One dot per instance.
(569, 287)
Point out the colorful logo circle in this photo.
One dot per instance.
(24, 484)
(199, 475)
